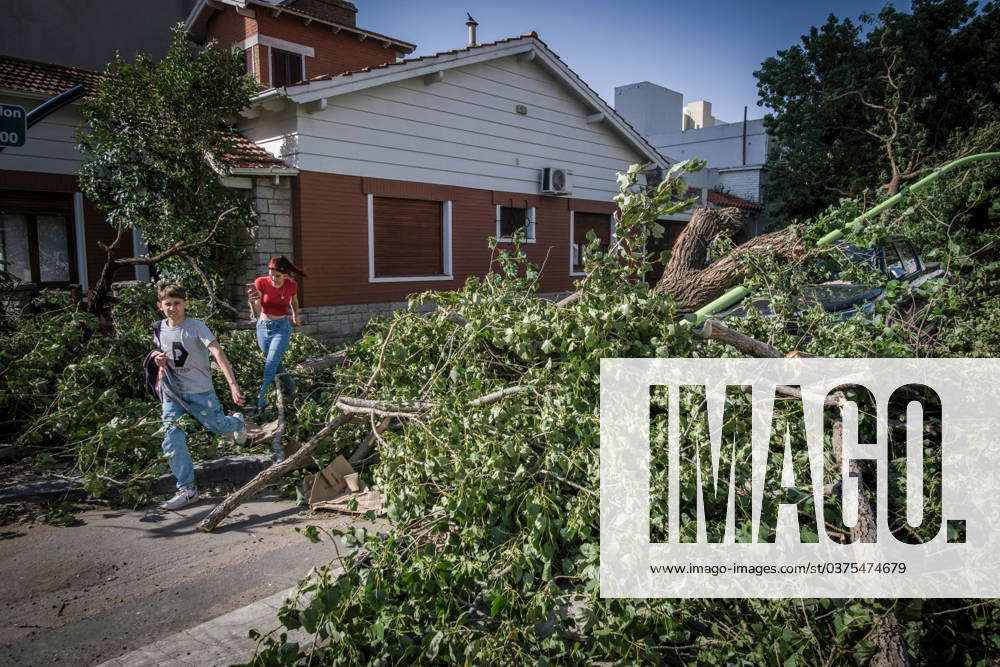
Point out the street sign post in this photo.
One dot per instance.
(13, 125)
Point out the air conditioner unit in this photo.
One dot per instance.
(555, 181)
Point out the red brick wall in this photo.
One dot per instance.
(334, 53)
(96, 228)
(331, 236)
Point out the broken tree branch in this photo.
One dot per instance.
(325, 361)
(212, 299)
(265, 477)
(366, 446)
(715, 330)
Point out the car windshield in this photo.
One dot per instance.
(856, 257)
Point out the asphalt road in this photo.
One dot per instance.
(120, 580)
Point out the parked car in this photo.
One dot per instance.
(899, 262)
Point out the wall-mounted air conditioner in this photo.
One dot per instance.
(555, 181)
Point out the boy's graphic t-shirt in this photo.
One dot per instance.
(275, 300)
(186, 346)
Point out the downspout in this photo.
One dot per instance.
(744, 136)
(737, 294)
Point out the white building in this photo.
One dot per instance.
(735, 152)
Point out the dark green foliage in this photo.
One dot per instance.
(76, 391)
(152, 130)
(906, 82)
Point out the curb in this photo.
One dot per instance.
(220, 641)
(238, 469)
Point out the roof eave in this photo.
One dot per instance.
(263, 171)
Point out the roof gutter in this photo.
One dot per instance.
(263, 171)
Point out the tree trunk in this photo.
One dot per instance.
(691, 280)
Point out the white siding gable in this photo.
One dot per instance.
(50, 147)
(463, 130)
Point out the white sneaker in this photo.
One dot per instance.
(240, 436)
(185, 496)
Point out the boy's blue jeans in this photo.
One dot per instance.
(273, 337)
(207, 409)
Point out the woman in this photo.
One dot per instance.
(271, 297)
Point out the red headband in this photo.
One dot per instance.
(273, 264)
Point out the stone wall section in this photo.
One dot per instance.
(273, 236)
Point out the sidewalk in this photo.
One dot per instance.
(221, 641)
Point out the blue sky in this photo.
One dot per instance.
(705, 50)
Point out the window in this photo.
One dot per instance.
(581, 224)
(36, 248)
(286, 68)
(408, 239)
(512, 218)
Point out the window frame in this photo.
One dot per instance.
(271, 54)
(34, 251)
(530, 213)
(612, 230)
(446, 241)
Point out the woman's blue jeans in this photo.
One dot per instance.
(272, 338)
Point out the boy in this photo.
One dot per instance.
(185, 344)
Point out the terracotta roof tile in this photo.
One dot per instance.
(721, 199)
(248, 155)
(44, 78)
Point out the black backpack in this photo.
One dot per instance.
(152, 374)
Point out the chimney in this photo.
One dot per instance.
(472, 29)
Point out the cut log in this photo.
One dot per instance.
(689, 278)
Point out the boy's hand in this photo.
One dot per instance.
(161, 359)
(238, 397)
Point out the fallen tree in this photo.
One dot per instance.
(492, 557)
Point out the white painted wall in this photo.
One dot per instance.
(462, 131)
(649, 108)
(741, 182)
(51, 144)
(721, 145)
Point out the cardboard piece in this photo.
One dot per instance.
(367, 500)
(329, 482)
(328, 490)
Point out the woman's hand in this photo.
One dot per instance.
(295, 319)
(253, 295)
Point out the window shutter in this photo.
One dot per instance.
(408, 238)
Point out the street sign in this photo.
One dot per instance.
(13, 125)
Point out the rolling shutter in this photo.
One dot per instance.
(408, 238)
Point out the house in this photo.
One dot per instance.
(406, 167)
(382, 174)
(49, 232)
(735, 152)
